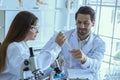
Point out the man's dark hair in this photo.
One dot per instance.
(86, 10)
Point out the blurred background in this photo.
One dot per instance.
(59, 15)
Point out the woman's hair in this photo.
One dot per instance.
(17, 32)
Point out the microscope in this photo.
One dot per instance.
(57, 73)
(31, 65)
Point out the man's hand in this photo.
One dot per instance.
(78, 54)
(60, 39)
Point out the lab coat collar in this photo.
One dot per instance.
(25, 44)
(89, 44)
(84, 41)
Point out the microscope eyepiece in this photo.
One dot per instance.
(31, 52)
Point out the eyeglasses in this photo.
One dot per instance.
(34, 27)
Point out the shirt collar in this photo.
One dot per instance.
(84, 41)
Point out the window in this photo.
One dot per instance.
(108, 27)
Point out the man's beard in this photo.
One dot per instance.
(82, 31)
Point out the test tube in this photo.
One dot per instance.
(68, 48)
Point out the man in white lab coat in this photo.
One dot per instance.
(83, 49)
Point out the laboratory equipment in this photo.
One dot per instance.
(57, 73)
(31, 65)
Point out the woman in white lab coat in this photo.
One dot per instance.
(14, 49)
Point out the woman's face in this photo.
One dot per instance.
(33, 32)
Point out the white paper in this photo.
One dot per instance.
(79, 74)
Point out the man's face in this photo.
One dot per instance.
(84, 25)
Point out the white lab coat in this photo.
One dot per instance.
(94, 50)
(17, 52)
